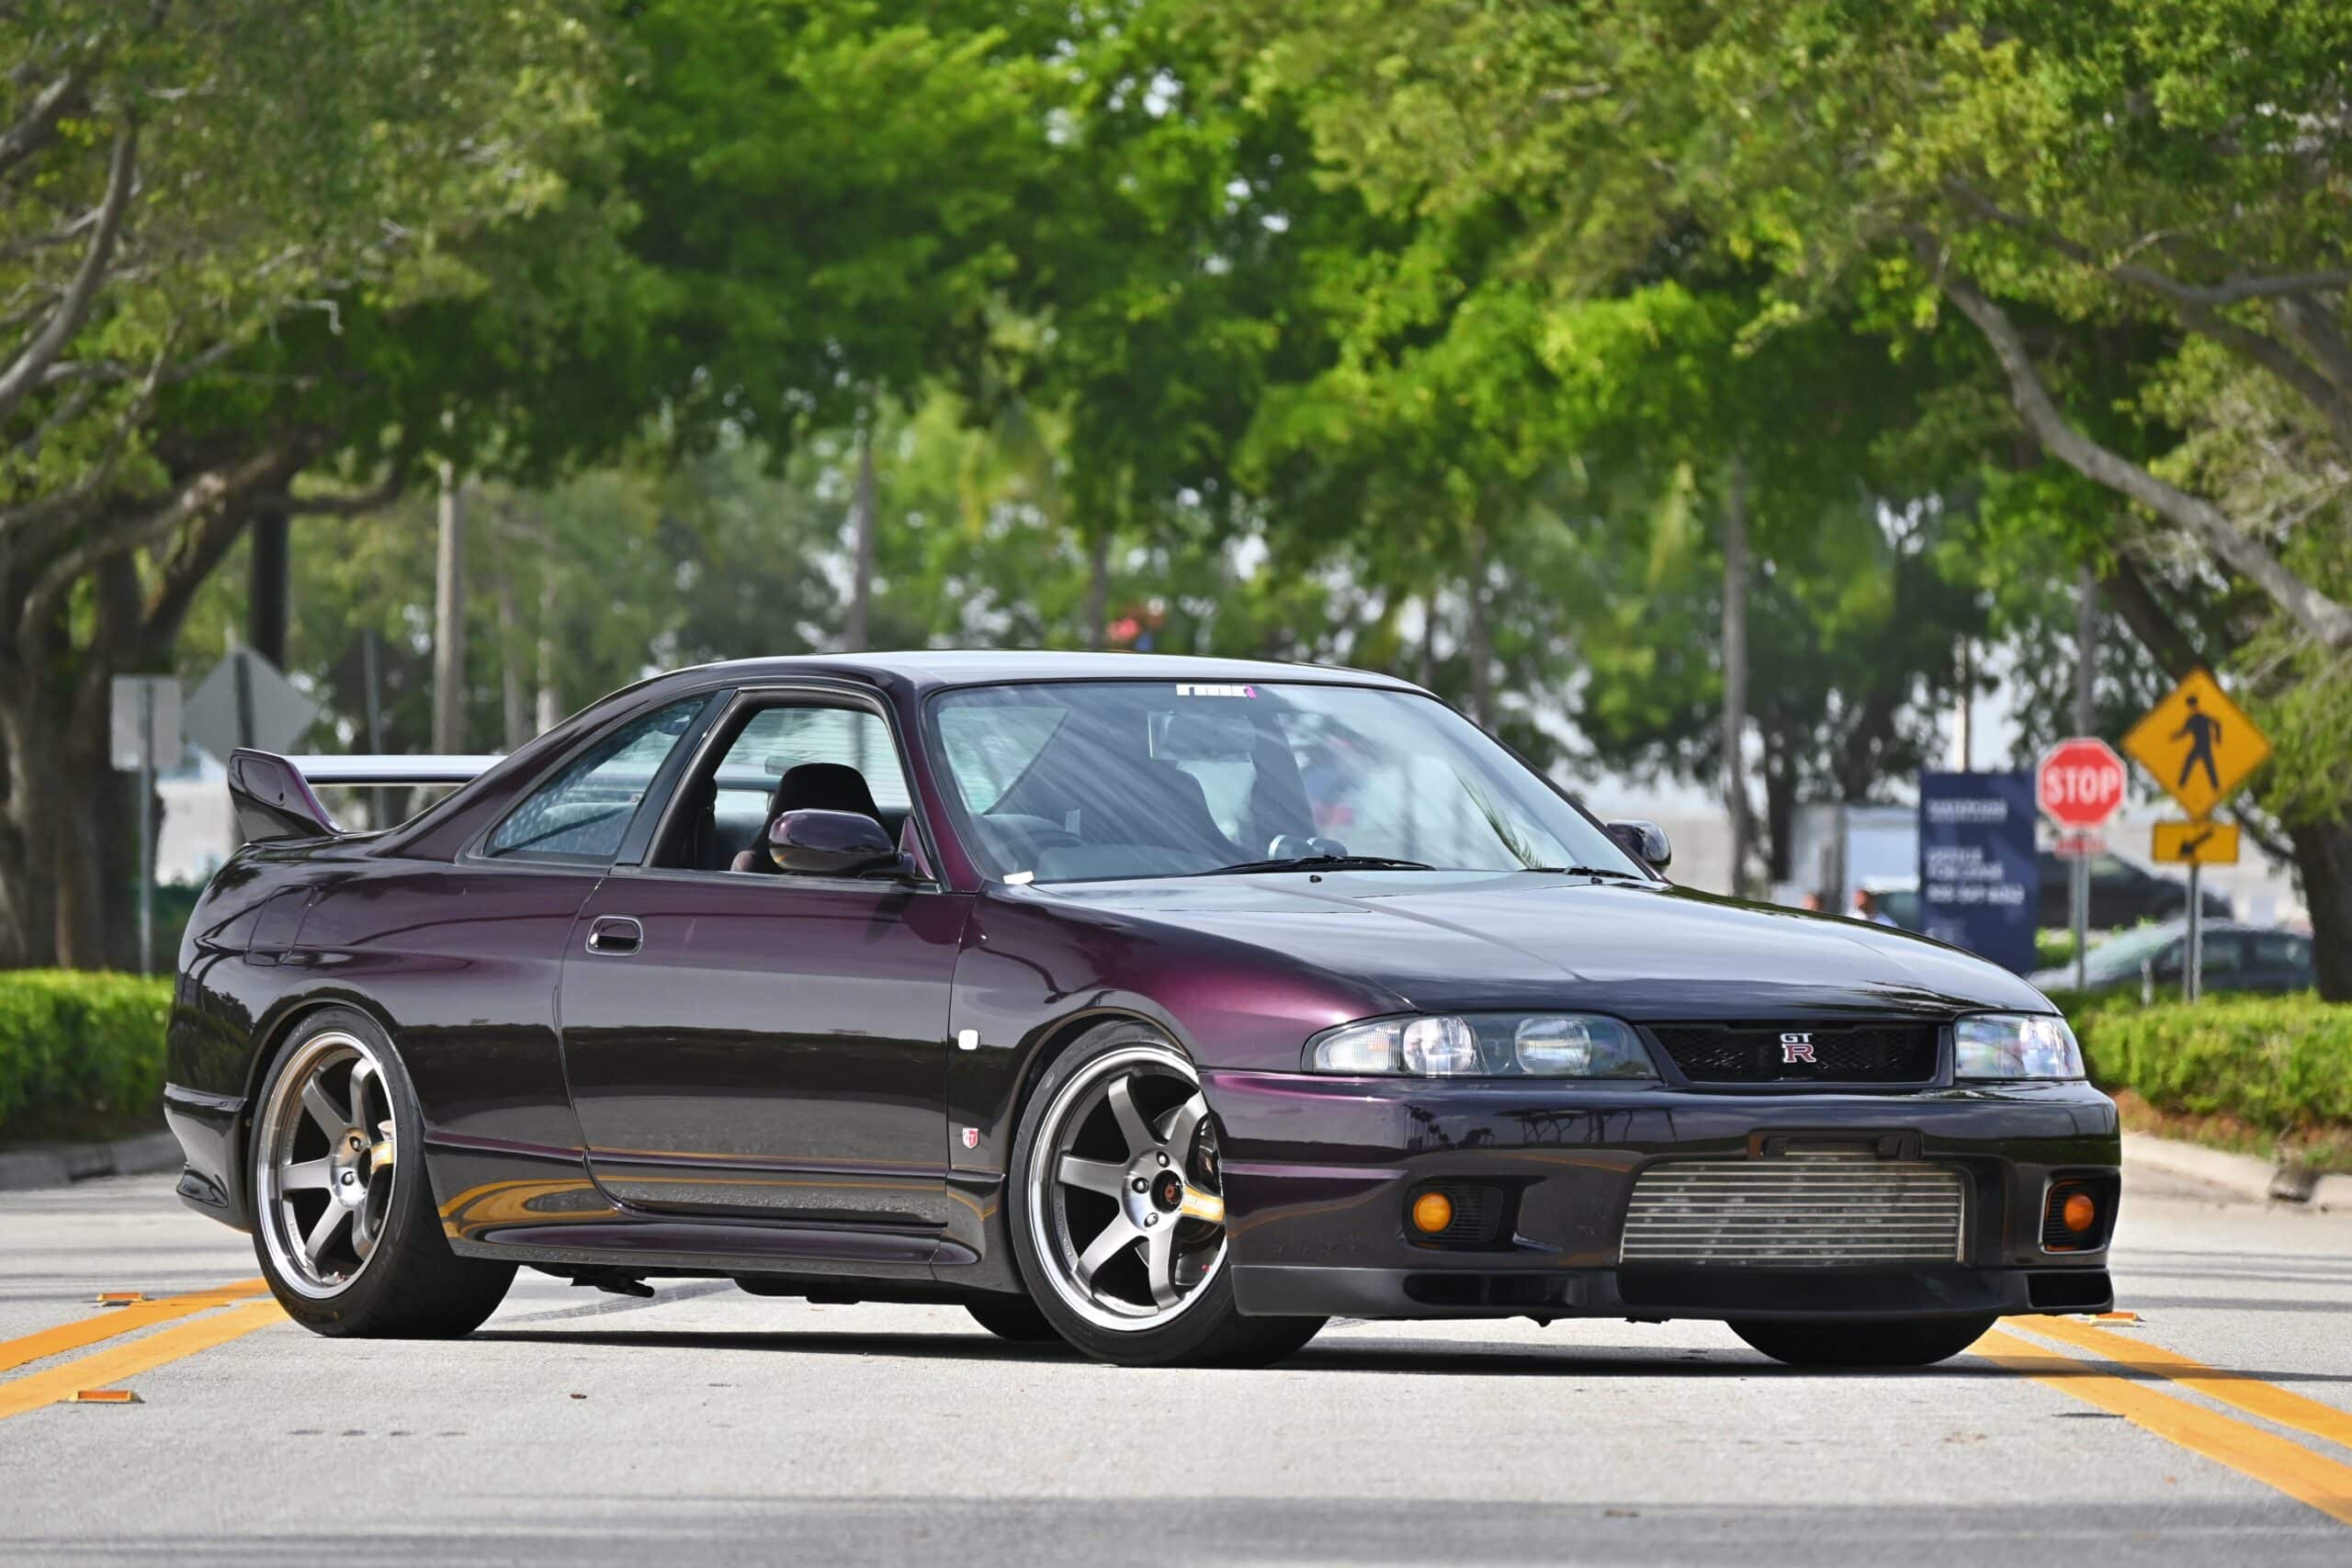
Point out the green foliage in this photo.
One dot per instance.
(2052, 948)
(2281, 1065)
(75, 1042)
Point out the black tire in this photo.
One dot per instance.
(1208, 1329)
(1880, 1342)
(409, 1284)
(1015, 1318)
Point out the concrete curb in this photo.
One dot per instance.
(2245, 1178)
(59, 1165)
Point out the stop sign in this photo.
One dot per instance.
(2080, 781)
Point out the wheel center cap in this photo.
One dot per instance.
(1167, 1192)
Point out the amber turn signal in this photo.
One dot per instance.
(2079, 1213)
(1433, 1211)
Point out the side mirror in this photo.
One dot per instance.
(1646, 841)
(829, 843)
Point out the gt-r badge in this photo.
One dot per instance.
(1796, 1047)
(971, 1137)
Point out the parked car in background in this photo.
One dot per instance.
(2122, 895)
(2237, 958)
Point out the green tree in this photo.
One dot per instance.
(191, 196)
(2065, 179)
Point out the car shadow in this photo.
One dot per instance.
(1420, 1359)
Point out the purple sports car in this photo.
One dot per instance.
(1167, 1007)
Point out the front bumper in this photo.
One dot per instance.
(1319, 1172)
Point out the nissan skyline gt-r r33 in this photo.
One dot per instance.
(1169, 1007)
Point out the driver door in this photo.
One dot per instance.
(764, 1043)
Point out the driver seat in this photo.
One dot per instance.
(809, 786)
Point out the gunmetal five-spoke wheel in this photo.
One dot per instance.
(328, 1163)
(1124, 1198)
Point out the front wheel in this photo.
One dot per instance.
(1118, 1213)
(344, 1220)
(1887, 1342)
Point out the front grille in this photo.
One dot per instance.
(1801, 1210)
(1796, 1053)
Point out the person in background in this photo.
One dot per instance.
(1812, 901)
(1866, 907)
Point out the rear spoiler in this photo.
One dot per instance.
(274, 797)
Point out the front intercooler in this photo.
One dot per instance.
(1796, 1211)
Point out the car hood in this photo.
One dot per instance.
(1471, 941)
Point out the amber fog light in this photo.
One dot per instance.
(2078, 1214)
(1433, 1211)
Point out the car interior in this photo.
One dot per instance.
(785, 758)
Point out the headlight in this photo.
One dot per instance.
(2016, 1045)
(1551, 1045)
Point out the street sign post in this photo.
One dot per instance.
(142, 730)
(2196, 844)
(2200, 747)
(2079, 785)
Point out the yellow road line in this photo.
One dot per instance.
(108, 1366)
(2249, 1395)
(15, 1353)
(2274, 1461)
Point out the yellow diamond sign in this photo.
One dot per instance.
(2199, 744)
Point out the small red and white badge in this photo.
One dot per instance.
(971, 1137)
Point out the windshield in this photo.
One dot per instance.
(1081, 781)
(2123, 954)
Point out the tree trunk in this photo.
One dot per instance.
(1780, 809)
(551, 701)
(268, 599)
(1479, 632)
(450, 621)
(1734, 736)
(856, 625)
(96, 853)
(28, 890)
(516, 718)
(2323, 859)
(1427, 674)
(1098, 587)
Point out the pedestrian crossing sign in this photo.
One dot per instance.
(2199, 744)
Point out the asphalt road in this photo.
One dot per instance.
(707, 1426)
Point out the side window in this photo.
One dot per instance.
(2281, 951)
(2224, 954)
(727, 807)
(778, 741)
(582, 813)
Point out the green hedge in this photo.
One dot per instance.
(2282, 1064)
(74, 1044)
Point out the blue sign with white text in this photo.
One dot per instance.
(1980, 887)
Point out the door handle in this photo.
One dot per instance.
(614, 936)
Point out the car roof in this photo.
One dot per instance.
(934, 669)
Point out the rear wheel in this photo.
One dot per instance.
(1886, 1342)
(344, 1221)
(1119, 1210)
